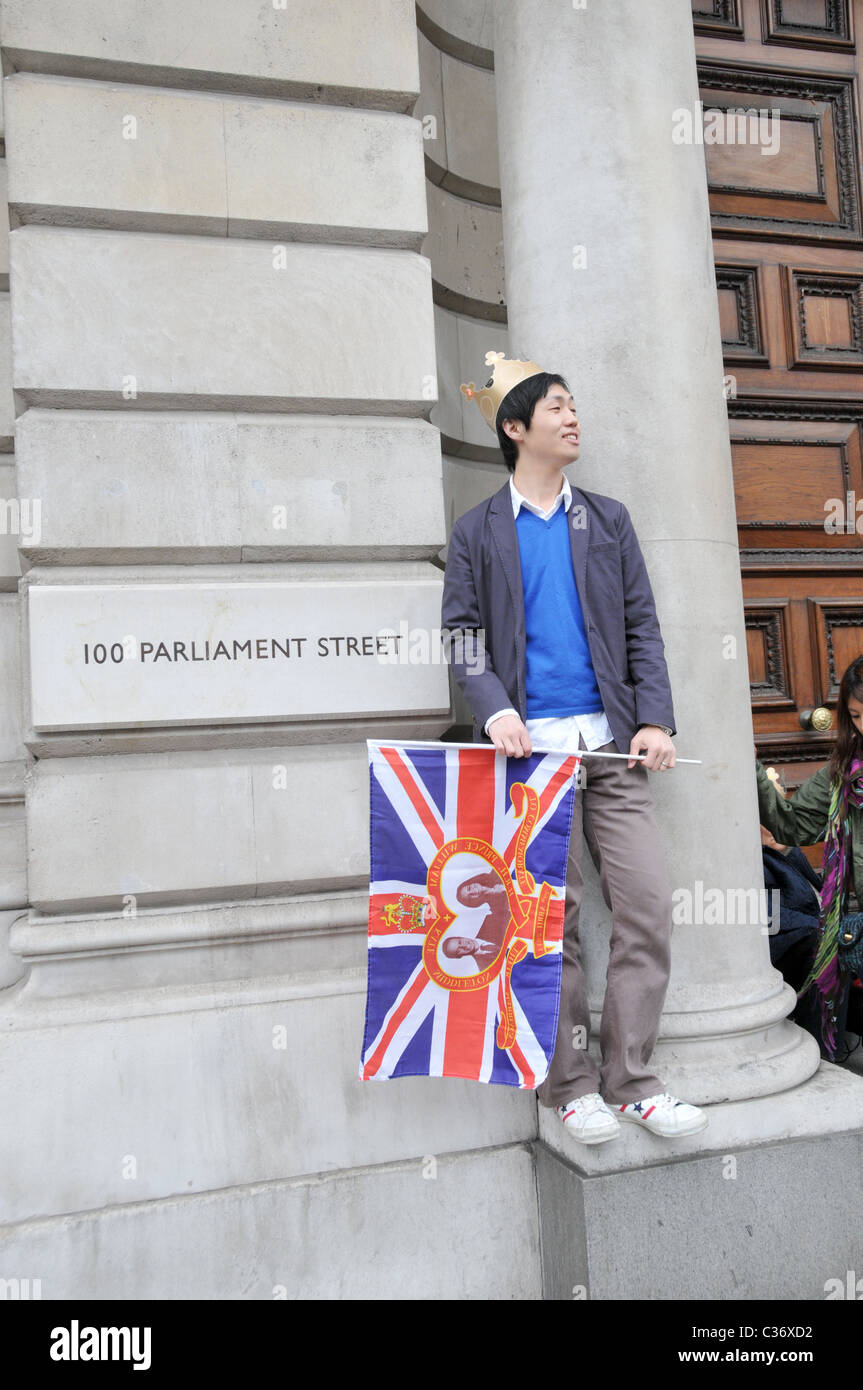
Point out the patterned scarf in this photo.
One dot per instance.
(845, 791)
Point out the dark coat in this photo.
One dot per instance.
(483, 591)
(792, 875)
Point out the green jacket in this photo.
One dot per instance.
(801, 819)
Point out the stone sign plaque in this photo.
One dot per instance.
(137, 655)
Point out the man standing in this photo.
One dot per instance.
(552, 581)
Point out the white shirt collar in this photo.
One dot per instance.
(518, 501)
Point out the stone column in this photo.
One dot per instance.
(610, 280)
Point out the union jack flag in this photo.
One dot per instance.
(466, 907)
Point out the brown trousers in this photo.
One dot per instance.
(614, 813)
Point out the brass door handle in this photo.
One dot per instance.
(818, 719)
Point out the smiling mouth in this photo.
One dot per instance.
(571, 438)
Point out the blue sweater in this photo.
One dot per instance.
(560, 675)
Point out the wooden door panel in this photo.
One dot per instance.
(801, 23)
(742, 313)
(788, 248)
(791, 320)
(769, 649)
(798, 644)
(792, 479)
(811, 186)
(837, 629)
(720, 17)
(824, 310)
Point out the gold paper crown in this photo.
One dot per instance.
(505, 375)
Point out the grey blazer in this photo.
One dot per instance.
(482, 594)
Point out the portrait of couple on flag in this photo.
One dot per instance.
(468, 867)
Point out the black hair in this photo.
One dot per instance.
(519, 404)
(849, 744)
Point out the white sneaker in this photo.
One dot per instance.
(664, 1115)
(588, 1119)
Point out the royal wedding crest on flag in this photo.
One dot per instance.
(466, 908)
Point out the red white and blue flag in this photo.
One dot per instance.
(466, 907)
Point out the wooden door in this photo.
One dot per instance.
(787, 217)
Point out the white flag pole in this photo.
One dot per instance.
(566, 752)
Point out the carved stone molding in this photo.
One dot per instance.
(457, 47)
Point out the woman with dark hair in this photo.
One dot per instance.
(829, 807)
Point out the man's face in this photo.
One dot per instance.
(469, 892)
(457, 946)
(555, 433)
